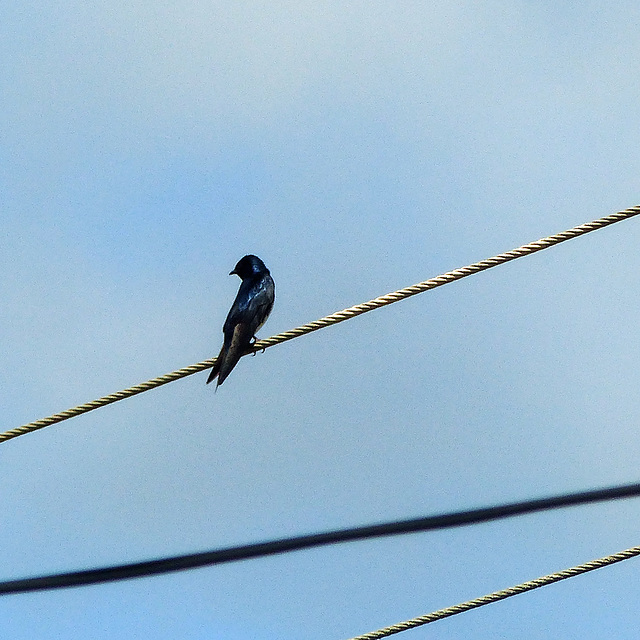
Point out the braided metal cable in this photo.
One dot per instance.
(105, 400)
(500, 595)
(450, 276)
(334, 318)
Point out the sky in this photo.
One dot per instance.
(357, 148)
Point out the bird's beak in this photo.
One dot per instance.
(233, 273)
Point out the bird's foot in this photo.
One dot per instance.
(252, 343)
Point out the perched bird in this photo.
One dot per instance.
(248, 313)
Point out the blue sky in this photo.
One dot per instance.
(356, 148)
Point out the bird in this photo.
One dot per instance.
(249, 312)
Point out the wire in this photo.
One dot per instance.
(284, 545)
(500, 595)
(334, 318)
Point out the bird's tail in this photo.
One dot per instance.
(215, 370)
(235, 350)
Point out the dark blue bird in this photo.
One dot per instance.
(249, 311)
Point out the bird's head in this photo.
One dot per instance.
(248, 266)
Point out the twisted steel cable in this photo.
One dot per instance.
(500, 595)
(334, 318)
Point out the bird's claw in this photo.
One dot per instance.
(252, 343)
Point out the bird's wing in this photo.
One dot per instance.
(261, 303)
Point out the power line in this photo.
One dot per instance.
(284, 545)
(500, 595)
(334, 318)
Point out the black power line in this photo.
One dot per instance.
(284, 545)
